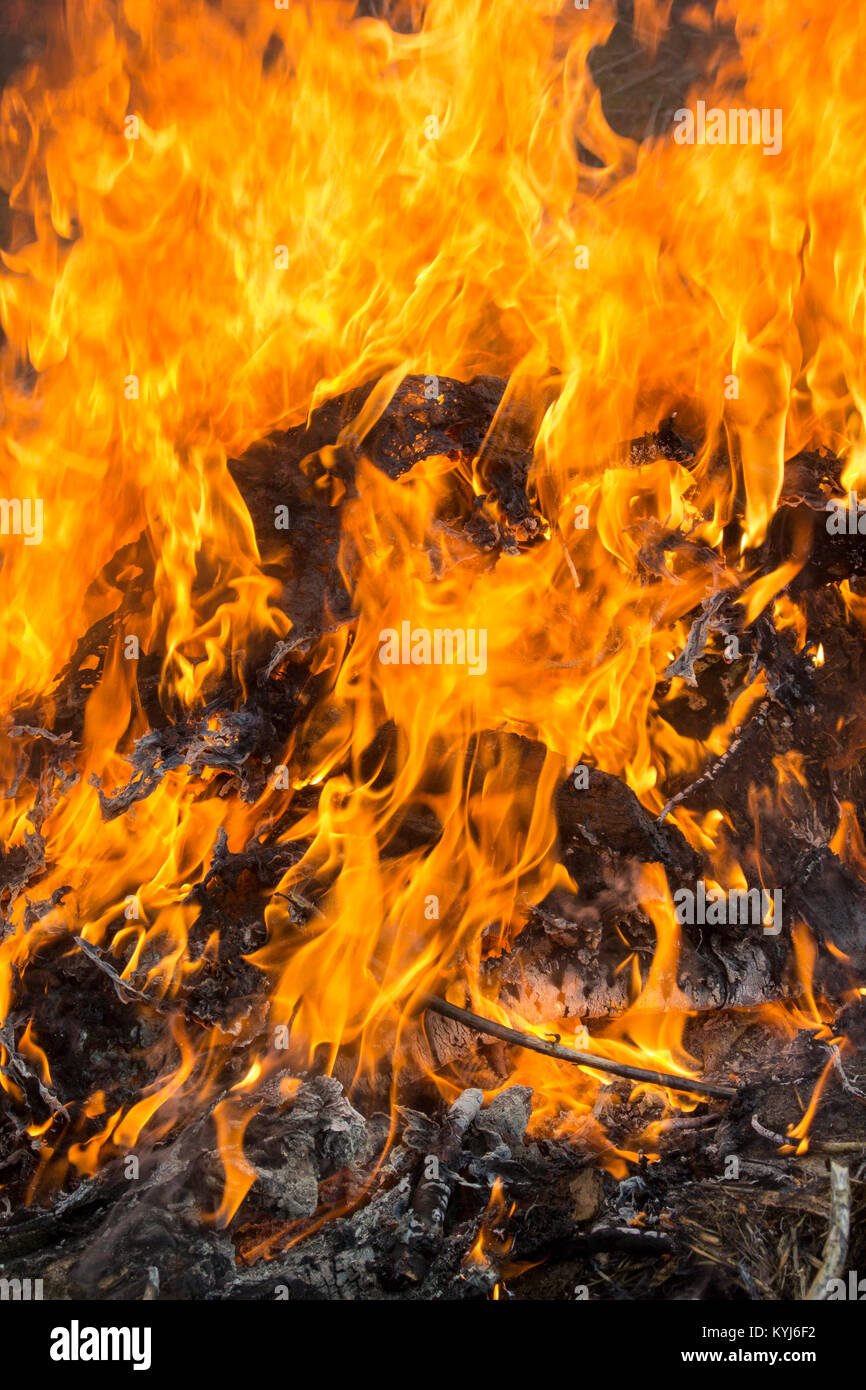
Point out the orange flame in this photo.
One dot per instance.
(222, 217)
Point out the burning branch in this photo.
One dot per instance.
(569, 1054)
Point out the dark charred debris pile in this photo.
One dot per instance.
(463, 1201)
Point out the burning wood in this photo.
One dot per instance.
(432, 752)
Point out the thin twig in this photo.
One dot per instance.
(568, 1054)
(836, 1247)
(847, 1085)
(838, 1146)
(682, 1122)
(767, 1133)
(816, 1146)
(718, 766)
(124, 989)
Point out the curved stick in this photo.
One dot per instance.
(568, 1054)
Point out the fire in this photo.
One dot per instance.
(223, 216)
